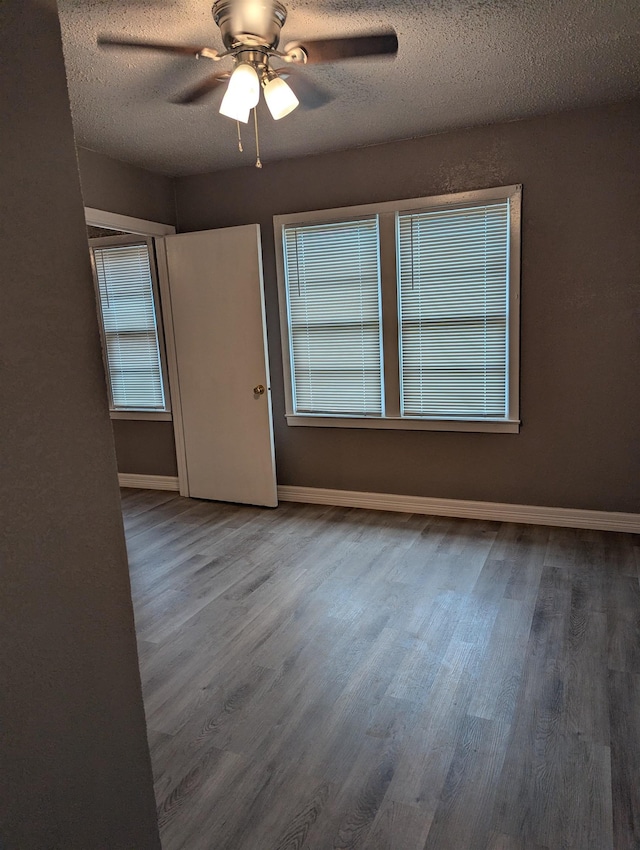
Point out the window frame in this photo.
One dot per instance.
(164, 414)
(387, 213)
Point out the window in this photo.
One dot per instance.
(333, 294)
(403, 315)
(127, 301)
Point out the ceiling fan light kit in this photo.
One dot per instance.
(250, 31)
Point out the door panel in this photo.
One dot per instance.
(217, 302)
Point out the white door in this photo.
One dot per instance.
(217, 303)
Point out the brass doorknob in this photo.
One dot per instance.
(259, 390)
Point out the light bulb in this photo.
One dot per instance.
(279, 97)
(243, 93)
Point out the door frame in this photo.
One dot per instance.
(156, 230)
(172, 364)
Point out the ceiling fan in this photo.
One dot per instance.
(250, 31)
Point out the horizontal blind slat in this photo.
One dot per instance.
(125, 295)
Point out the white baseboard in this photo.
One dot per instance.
(148, 482)
(497, 511)
(531, 514)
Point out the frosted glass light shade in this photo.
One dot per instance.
(243, 93)
(279, 97)
(233, 110)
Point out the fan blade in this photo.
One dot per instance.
(308, 92)
(334, 49)
(180, 49)
(202, 89)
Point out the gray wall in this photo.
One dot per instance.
(73, 752)
(108, 184)
(145, 447)
(579, 444)
(142, 447)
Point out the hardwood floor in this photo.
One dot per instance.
(320, 677)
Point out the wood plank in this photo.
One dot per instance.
(624, 624)
(500, 671)
(463, 815)
(624, 699)
(527, 791)
(398, 826)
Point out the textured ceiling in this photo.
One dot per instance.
(460, 63)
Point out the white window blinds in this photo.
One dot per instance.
(332, 276)
(453, 297)
(125, 293)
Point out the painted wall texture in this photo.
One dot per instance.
(114, 186)
(145, 447)
(579, 444)
(75, 762)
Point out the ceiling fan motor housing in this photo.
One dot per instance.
(255, 24)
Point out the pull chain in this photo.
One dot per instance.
(255, 121)
(240, 148)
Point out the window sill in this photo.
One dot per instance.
(149, 415)
(498, 426)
